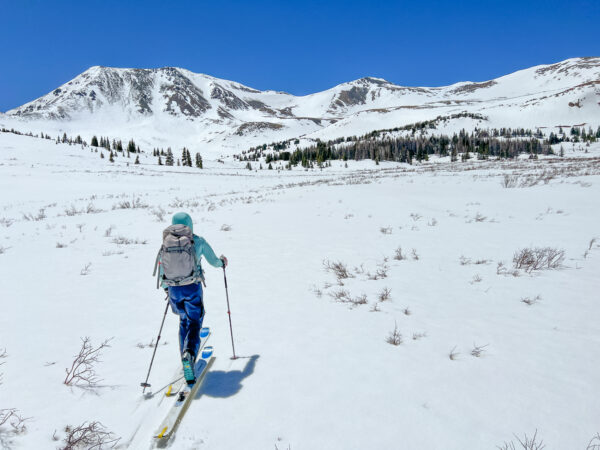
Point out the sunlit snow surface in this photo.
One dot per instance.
(313, 373)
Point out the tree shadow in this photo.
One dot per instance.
(223, 384)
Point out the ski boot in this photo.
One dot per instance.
(188, 362)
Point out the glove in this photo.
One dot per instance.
(224, 260)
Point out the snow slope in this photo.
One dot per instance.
(313, 372)
(173, 106)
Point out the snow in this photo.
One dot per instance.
(312, 372)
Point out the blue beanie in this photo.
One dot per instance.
(182, 218)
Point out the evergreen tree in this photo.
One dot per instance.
(160, 161)
(249, 166)
(270, 167)
(137, 159)
(111, 157)
(94, 141)
(169, 159)
(131, 146)
(198, 161)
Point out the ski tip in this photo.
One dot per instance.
(162, 433)
(205, 331)
(168, 393)
(207, 352)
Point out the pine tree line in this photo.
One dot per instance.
(384, 145)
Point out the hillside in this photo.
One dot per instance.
(175, 107)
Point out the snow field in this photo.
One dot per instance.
(313, 372)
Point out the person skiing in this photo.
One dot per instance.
(181, 276)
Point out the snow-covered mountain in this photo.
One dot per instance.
(173, 106)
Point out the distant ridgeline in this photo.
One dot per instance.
(414, 142)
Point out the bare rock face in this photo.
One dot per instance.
(227, 98)
(181, 96)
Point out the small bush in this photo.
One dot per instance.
(91, 209)
(398, 256)
(385, 230)
(339, 269)
(478, 350)
(531, 300)
(12, 417)
(395, 337)
(82, 371)
(417, 336)
(120, 240)
(41, 215)
(384, 295)
(594, 443)
(135, 203)
(89, 435)
(159, 214)
(86, 269)
(72, 211)
(453, 355)
(538, 258)
(525, 444)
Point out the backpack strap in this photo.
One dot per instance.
(156, 264)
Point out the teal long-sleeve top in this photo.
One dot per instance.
(202, 248)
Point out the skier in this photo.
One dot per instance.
(185, 291)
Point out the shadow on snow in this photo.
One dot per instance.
(223, 384)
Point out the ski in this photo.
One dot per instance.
(179, 383)
(185, 396)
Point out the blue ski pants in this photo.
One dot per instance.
(187, 302)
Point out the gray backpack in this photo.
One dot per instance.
(177, 255)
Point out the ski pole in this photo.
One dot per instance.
(229, 313)
(145, 384)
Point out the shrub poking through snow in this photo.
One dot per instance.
(385, 294)
(526, 444)
(135, 203)
(394, 338)
(398, 256)
(478, 350)
(531, 300)
(594, 443)
(89, 435)
(339, 269)
(453, 355)
(12, 417)
(86, 270)
(385, 230)
(41, 215)
(82, 371)
(538, 258)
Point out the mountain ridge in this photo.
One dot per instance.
(165, 104)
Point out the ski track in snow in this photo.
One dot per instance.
(313, 372)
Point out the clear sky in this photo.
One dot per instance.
(294, 46)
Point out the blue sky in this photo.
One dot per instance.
(298, 47)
